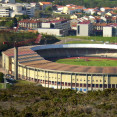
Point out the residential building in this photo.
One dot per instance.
(105, 9)
(30, 10)
(4, 12)
(107, 31)
(71, 9)
(15, 9)
(84, 28)
(8, 1)
(110, 30)
(58, 27)
(29, 24)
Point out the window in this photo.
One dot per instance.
(78, 29)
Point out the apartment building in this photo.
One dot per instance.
(29, 24)
(4, 12)
(58, 27)
(110, 30)
(84, 28)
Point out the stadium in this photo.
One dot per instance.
(34, 64)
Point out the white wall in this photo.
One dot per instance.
(83, 30)
(45, 25)
(107, 31)
(50, 31)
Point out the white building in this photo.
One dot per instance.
(49, 31)
(107, 31)
(110, 30)
(7, 1)
(4, 12)
(56, 27)
(84, 28)
(30, 10)
(19, 9)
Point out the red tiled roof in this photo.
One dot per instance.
(29, 21)
(85, 22)
(46, 2)
(55, 21)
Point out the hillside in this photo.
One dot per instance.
(86, 3)
(29, 100)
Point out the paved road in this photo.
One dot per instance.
(65, 40)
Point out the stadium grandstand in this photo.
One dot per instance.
(34, 64)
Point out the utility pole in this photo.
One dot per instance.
(15, 62)
(16, 45)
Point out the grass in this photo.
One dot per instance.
(90, 62)
(96, 38)
(2, 86)
(23, 82)
(83, 42)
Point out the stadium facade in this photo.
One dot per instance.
(34, 65)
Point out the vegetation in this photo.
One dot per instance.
(48, 39)
(88, 62)
(8, 22)
(86, 3)
(95, 38)
(83, 42)
(24, 100)
(12, 37)
(66, 16)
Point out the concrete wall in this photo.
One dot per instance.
(83, 30)
(50, 31)
(45, 25)
(107, 31)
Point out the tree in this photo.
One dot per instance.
(48, 9)
(1, 77)
(14, 22)
(9, 24)
(23, 17)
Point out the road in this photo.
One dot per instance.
(65, 40)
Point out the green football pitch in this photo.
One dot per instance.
(88, 62)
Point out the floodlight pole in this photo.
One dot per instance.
(15, 62)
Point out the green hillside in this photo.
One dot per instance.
(30, 100)
(87, 3)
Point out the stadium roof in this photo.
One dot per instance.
(28, 57)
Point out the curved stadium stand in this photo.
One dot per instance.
(34, 65)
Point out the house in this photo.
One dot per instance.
(84, 28)
(114, 19)
(73, 24)
(44, 5)
(106, 9)
(60, 8)
(74, 16)
(102, 13)
(89, 11)
(71, 9)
